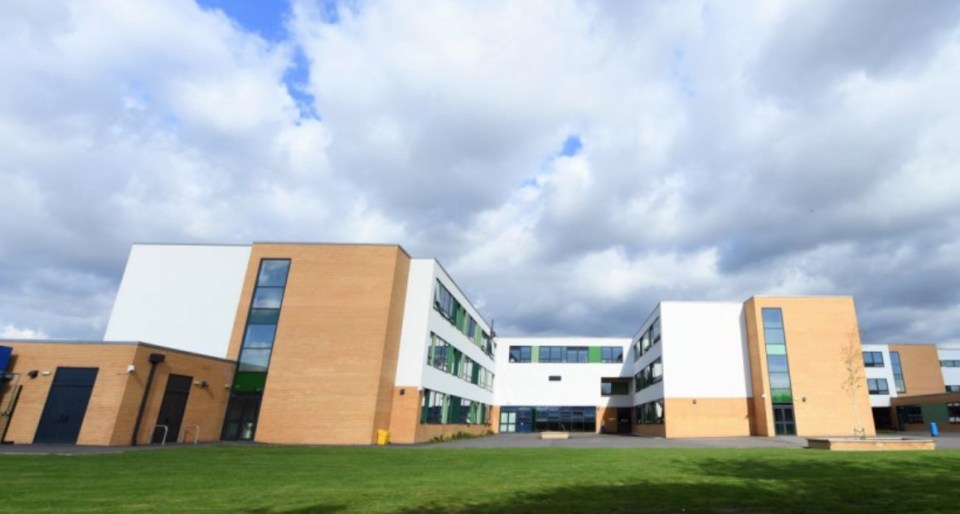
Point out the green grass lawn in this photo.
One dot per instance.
(256, 479)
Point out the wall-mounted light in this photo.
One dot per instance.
(201, 383)
(804, 399)
(33, 373)
(45, 373)
(403, 392)
(694, 401)
(131, 368)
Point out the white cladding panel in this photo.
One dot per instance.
(951, 376)
(528, 384)
(704, 350)
(415, 333)
(179, 296)
(420, 320)
(885, 372)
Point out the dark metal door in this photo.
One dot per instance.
(241, 419)
(66, 406)
(624, 425)
(172, 408)
(783, 422)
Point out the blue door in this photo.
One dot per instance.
(66, 406)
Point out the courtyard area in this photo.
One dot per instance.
(450, 478)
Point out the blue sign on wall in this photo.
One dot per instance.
(5, 352)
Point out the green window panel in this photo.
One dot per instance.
(246, 382)
(594, 354)
(781, 396)
(263, 316)
(534, 354)
(776, 349)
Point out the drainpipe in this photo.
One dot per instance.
(155, 358)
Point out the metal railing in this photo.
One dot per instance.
(163, 441)
(196, 433)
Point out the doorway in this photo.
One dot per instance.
(172, 407)
(241, 420)
(783, 422)
(624, 423)
(66, 406)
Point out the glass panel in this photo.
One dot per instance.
(259, 336)
(249, 382)
(267, 298)
(776, 349)
(781, 396)
(255, 359)
(777, 363)
(273, 273)
(263, 316)
(772, 318)
(779, 381)
(773, 335)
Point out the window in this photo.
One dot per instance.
(611, 354)
(650, 413)
(873, 359)
(953, 388)
(778, 369)
(950, 364)
(911, 414)
(520, 353)
(444, 301)
(877, 386)
(432, 410)
(551, 354)
(612, 387)
(953, 412)
(649, 375)
(897, 372)
(576, 354)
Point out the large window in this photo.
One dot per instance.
(256, 348)
(649, 375)
(897, 372)
(650, 413)
(953, 412)
(440, 408)
(445, 357)
(778, 369)
(551, 353)
(950, 363)
(611, 354)
(650, 337)
(520, 353)
(614, 387)
(575, 354)
(873, 359)
(877, 386)
(911, 414)
(953, 388)
(457, 315)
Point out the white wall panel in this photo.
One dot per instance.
(179, 296)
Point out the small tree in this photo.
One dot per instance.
(855, 378)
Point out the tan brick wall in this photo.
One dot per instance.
(427, 432)
(336, 342)
(761, 422)
(116, 394)
(206, 406)
(921, 368)
(817, 331)
(650, 430)
(405, 415)
(707, 417)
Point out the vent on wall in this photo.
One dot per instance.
(554, 378)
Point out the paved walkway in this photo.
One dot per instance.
(946, 441)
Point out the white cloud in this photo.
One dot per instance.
(12, 332)
(729, 149)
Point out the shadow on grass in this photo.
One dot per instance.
(310, 509)
(748, 486)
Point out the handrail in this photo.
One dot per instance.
(196, 433)
(166, 429)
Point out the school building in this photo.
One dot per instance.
(296, 343)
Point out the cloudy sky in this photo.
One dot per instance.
(571, 163)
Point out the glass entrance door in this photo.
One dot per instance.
(241, 419)
(783, 422)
